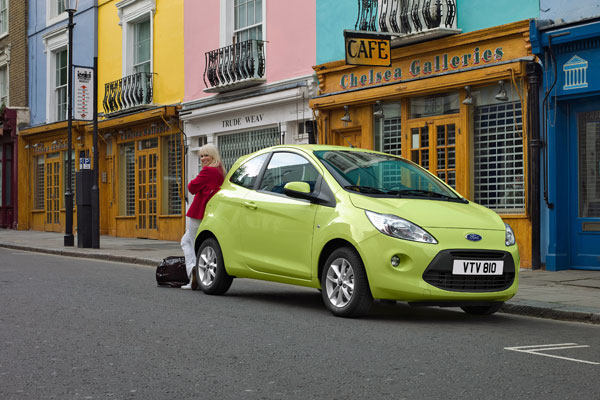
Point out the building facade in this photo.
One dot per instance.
(248, 75)
(140, 74)
(566, 39)
(42, 149)
(14, 111)
(458, 104)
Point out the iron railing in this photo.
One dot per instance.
(235, 64)
(129, 92)
(405, 16)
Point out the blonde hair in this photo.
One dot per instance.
(211, 150)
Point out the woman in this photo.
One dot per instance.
(204, 186)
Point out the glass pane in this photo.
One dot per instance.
(589, 164)
(142, 42)
(429, 106)
(243, 17)
(287, 167)
(258, 11)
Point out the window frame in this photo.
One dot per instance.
(53, 15)
(132, 12)
(54, 42)
(64, 86)
(227, 23)
(2, 22)
(4, 72)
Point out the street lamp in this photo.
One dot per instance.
(70, 7)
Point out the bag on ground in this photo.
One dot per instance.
(171, 272)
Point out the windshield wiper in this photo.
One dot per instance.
(424, 193)
(365, 189)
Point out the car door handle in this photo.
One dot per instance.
(251, 205)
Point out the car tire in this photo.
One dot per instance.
(345, 287)
(482, 310)
(210, 268)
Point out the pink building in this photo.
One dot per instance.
(248, 74)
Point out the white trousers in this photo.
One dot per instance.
(187, 243)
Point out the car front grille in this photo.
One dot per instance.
(439, 272)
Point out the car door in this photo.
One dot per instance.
(278, 229)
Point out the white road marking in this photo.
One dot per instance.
(537, 349)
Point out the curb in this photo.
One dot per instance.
(550, 312)
(95, 256)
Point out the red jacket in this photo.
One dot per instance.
(204, 186)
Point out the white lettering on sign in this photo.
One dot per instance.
(84, 93)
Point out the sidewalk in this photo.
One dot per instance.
(567, 295)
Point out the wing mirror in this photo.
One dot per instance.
(299, 190)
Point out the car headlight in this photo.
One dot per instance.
(510, 236)
(399, 228)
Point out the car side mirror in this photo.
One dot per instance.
(299, 190)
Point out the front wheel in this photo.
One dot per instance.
(483, 310)
(210, 269)
(346, 291)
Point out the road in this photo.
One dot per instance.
(82, 329)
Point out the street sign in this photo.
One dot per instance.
(85, 163)
(364, 48)
(84, 93)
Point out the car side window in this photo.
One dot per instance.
(247, 173)
(287, 167)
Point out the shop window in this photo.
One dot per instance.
(589, 164)
(388, 133)
(38, 183)
(127, 180)
(3, 17)
(235, 145)
(171, 148)
(435, 105)
(498, 159)
(4, 85)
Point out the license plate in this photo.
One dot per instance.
(470, 267)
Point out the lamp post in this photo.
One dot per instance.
(70, 7)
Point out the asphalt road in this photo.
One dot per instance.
(81, 329)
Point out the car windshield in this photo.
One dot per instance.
(382, 175)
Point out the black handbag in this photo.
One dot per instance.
(172, 272)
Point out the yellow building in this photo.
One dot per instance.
(456, 105)
(141, 147)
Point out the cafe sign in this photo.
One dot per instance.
(367, 49)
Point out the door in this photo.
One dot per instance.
(432, 145)
(147, 189)
(584, 191)
(52, 193)
(278, 230)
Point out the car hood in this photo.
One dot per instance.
(432, 213)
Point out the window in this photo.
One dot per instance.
(61, 76)
(127, 185)
(141, 45)
(3, 17)
(4, 85)
(247, 173)
(171, 148)
(248, 20)
(388, 133)
(288, 167)
(235, 145)
(38, 183)
(60, 6)
(588, 127)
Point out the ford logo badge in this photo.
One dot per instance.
(473, 237)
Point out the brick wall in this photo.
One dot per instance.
(15, 43)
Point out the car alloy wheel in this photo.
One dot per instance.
(340, 282)
(210, 269)
(346, 291)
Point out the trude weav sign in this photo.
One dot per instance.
(367, 49)
(84, 93)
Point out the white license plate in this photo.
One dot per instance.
(471, 267)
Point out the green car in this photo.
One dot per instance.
(358, 225)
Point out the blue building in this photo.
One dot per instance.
(568, 47)
(42, 149)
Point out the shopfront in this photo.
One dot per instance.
(457, 106)
(140, 177)
(571, 130)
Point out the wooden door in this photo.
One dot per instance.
(147, 193)
(52, 193)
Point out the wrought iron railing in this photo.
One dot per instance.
(405, 16)
(129, 92)
(236, 63)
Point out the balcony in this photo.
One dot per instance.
(235, 66)
(408, 21)
(129, 93)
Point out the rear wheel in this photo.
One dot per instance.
(346, 291)
(483, 310)
(210, 269)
